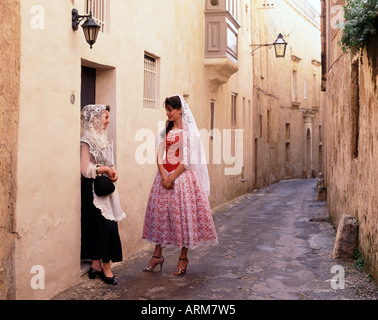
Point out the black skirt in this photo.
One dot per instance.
(99, 236)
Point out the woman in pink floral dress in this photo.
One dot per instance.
(178, 212)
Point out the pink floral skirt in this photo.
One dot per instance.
(179, 217)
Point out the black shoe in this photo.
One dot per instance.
(92, 273)
(108, 280)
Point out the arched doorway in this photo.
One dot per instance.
(308, 158)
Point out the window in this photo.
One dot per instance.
(233, 110)
(315, 90)
(221, 29)
(295, 85)
(320, 134)
(212, 110)
(99, 9)
(244, 112)
(260, 125)
(288, 160)
(287, 131)
(150, 82)
(250, 114)
(268, 126)
(305, 89)
(212, 120)
(231, 8)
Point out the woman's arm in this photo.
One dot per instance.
(160, 161)
(89, 170)
(168, 182)
(112, 174)
(179, 170)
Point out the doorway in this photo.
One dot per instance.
(87, 96)
(88, 86)
(255, 164)
(98, 86)
(308, 154)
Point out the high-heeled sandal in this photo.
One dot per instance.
(151, 268)
(181, 272)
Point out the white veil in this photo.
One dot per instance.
(93, 133)
(193, 152)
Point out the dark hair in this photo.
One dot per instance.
(175, 103)
(108, 108)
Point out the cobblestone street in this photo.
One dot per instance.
(274, 243)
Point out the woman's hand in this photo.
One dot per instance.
(112, 174)
(167, 182)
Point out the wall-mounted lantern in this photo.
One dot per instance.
(90, 26)
(279, 46)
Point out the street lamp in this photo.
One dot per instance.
(279, 46)
(90, 27)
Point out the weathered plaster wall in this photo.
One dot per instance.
(9, 109)
(352, 178)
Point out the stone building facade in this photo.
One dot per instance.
(286, 104)
(351, 132)
(200, 49)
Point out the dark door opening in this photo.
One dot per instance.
(88, 96)
(88, 86)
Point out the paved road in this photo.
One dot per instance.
(274, 243)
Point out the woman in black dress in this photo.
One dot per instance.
(100, 241)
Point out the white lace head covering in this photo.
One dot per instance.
(193, 152)
(93, 133)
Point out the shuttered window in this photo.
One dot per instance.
(233, 110)
(99, 9)
(231, 7)
(150, 82)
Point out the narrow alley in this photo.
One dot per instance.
(274, 244)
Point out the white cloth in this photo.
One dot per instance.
(109, 205)
(193, 151)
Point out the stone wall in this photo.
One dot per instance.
(351, 131)
(368, 155)
(9, 104)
